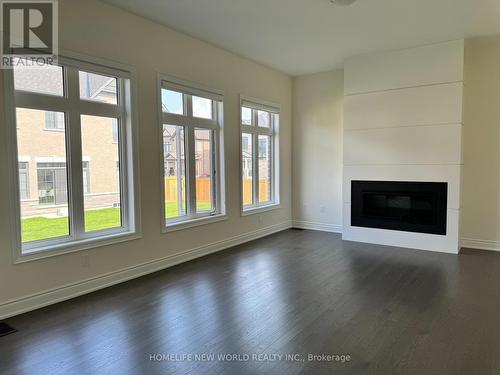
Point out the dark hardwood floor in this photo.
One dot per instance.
(297, 292)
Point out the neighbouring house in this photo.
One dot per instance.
(42, 147)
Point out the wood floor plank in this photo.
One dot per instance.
(392, 310)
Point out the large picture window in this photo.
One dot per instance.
(68, 203)
(259, 155)
(191, 120)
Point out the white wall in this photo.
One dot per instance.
(317, 151)
(94, 28)
(480, 218)
(478, 194)
(403, 122)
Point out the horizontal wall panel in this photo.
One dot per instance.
(416, 173)
(408, 145)
(426, 105)
(423, 241)
(427, 65)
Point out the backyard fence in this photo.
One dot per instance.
(248, 188)
(204, 190)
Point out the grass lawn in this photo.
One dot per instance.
(173, 211)
(39, 228)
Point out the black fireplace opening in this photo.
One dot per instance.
(405, 206)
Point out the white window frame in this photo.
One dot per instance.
(74, 107)
(255, 130)
(216, 124)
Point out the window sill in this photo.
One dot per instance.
(172, 227)
(74, 246)
(259, 209)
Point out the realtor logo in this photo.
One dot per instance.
(29, 33)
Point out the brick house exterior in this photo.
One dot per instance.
(42, 154)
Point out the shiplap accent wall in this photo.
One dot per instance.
(403, 122)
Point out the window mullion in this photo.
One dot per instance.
(74, 152)
(255, 161)
(272, 160)
(42, 102)
(188, 103)
(219, 158)
(214, 165)
(191, 145)
(191, 171)
(247, 128)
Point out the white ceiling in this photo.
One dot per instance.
(307, 36)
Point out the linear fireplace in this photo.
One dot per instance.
(405, 206)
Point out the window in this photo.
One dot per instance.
(52, 183)
(86, 176)
(24, 191)
(97, 87)
(54, 120)
(101, 196)
(191, 133)
(74, 206)
(172, 102)
(259, 145)
(46, 80)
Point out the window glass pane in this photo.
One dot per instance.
(263, 118)
(44, 216)
(247, 168)
(175, 171)
(97, 87)
(204, 170)
(172, 101)
(246, 116)
(202, 107)
(100, 155)
(47, 79)
(264, 146)
(23, 180)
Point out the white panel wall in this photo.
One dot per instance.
(425, 105)
(421, 66)
(445, 244)
(439, 144)
(403, 122)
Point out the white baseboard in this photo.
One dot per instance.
(49, 297)
(312, 225)
(480, 244)
(464, 242)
